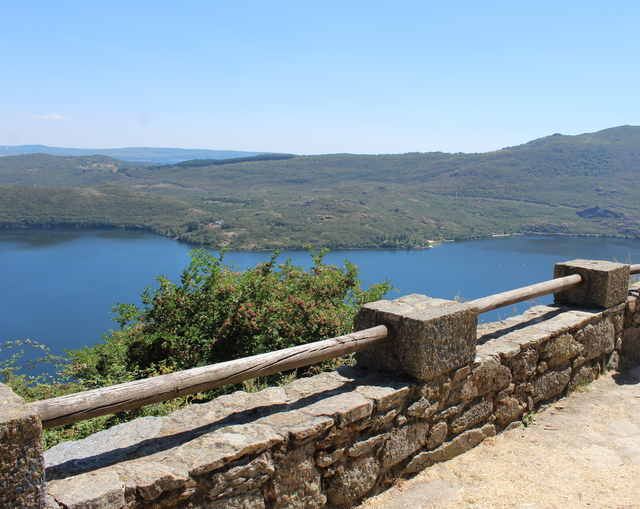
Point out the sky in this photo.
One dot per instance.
(363, 77)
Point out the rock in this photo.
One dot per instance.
(152, 479)
(559, 350)
(360, 448)
(613, 361)
(474, 415)
(422, 409)
(106, 491)
(296, 482)
(508, 410)
(213, 450)
(50, 502)
(597, 339)
(489, 376)
(300, 427)
(550, 384)
(251, 500)
(403, 442)
(237, 478)
(583, 375)
(344, 408)
(457, 446)
(382, 421)
(385, 397)
(631, 343)
(100, 449)
(438, 435)
(524, 365)
(324, 458)
(354, 481)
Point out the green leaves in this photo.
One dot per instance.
(218, 312)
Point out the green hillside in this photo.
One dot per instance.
(138, 155)
(586, 184)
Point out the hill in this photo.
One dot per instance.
(138, 155)
(586, 184)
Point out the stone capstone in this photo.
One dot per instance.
(432, 336)
(604, 284)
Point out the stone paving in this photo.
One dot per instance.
(582, 451)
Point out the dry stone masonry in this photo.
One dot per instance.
(440, 389)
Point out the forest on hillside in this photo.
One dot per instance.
(584, 185)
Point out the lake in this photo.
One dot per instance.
(57, 286)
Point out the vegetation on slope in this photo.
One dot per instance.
(583, 184)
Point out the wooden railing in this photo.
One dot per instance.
(117, 398)
(500, 300)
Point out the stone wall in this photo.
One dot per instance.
(329, 440)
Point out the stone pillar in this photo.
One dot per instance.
(21, 461)
(604, 284)
(432, 336)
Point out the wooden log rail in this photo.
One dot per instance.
(525, 293)
(117, 398)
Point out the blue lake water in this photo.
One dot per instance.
(57, 286)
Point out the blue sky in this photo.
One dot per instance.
(315, 77)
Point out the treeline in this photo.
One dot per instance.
(198, 163)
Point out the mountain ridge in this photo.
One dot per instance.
(584, 184)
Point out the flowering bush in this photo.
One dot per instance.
(218, 313)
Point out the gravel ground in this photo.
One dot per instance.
(583, 451)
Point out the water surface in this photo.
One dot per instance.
(57, 286)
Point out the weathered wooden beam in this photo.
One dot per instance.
(117, 398)
(525, 293)
(634, 269)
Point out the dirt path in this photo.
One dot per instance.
(583, 451)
